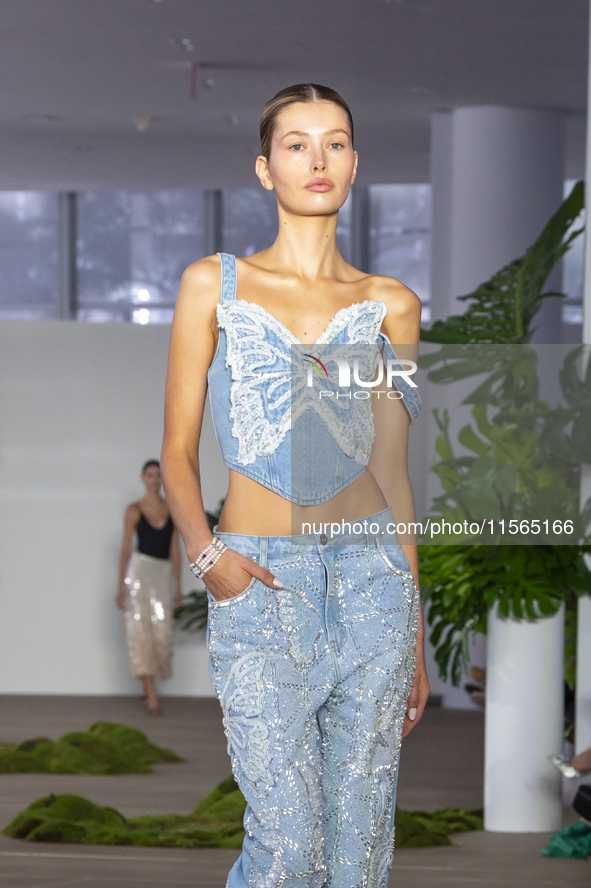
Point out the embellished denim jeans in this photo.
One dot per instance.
(313, 681)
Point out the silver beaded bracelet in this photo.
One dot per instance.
(206, 560)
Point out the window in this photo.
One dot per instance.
(122, 253)
(400, 236)
(573, 266)
(29, 255)
(249, 220)
(132, 249)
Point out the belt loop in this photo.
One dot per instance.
(374, 537)
(263, 549)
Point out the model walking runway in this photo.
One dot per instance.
(314, 635)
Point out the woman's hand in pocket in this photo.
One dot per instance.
(233, 572)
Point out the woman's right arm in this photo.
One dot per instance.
(132, 516)
(191, 352)
(192, 346)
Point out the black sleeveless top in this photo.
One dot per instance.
(153, 541)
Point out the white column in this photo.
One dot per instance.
(497, 178)
(443, 302)
(583, 691)
(524, 723)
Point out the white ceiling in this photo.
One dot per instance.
(94, 65)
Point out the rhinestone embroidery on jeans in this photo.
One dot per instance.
(324, 673)
(293, 619)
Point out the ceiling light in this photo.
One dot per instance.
(210, 83)
(183, 43)
(142, 123)
(143, 295)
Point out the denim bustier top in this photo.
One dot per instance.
(256, 406)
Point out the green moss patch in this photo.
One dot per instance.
(106, 748)
(215, 823)
(422, 829)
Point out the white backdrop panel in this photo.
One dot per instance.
(81, 408)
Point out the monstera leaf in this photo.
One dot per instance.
(502, 309)
(461, 583)
(522, 462)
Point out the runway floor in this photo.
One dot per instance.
(441, 766)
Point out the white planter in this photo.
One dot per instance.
(583, 700)
(524, 723)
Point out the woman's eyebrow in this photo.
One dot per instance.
(327, 133)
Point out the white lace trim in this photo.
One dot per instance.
(258, 365)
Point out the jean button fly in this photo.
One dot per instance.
(323, 539)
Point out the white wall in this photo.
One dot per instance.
(80, 410)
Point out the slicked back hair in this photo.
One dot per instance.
(301, 92)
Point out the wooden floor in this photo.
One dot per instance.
(441, 765)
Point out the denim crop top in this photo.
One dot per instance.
(256, 406)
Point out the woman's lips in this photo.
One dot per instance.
(320, 185)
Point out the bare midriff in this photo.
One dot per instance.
(255, 510)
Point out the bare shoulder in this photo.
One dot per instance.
(203, 274)
(400, 299)
(200, 286)
(403, 318)
(133, 513)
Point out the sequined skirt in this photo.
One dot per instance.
(148, 615)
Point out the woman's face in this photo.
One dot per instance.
(312, 164)
(152, 479)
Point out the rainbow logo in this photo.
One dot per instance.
(317, 363)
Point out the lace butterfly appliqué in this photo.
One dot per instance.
(242, 701)
(269, 389)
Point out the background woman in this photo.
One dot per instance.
(149, 584)
(314, 651)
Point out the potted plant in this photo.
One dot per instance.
(523, 461)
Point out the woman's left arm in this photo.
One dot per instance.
(175, 557)
(389, 460)
(420, 687)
